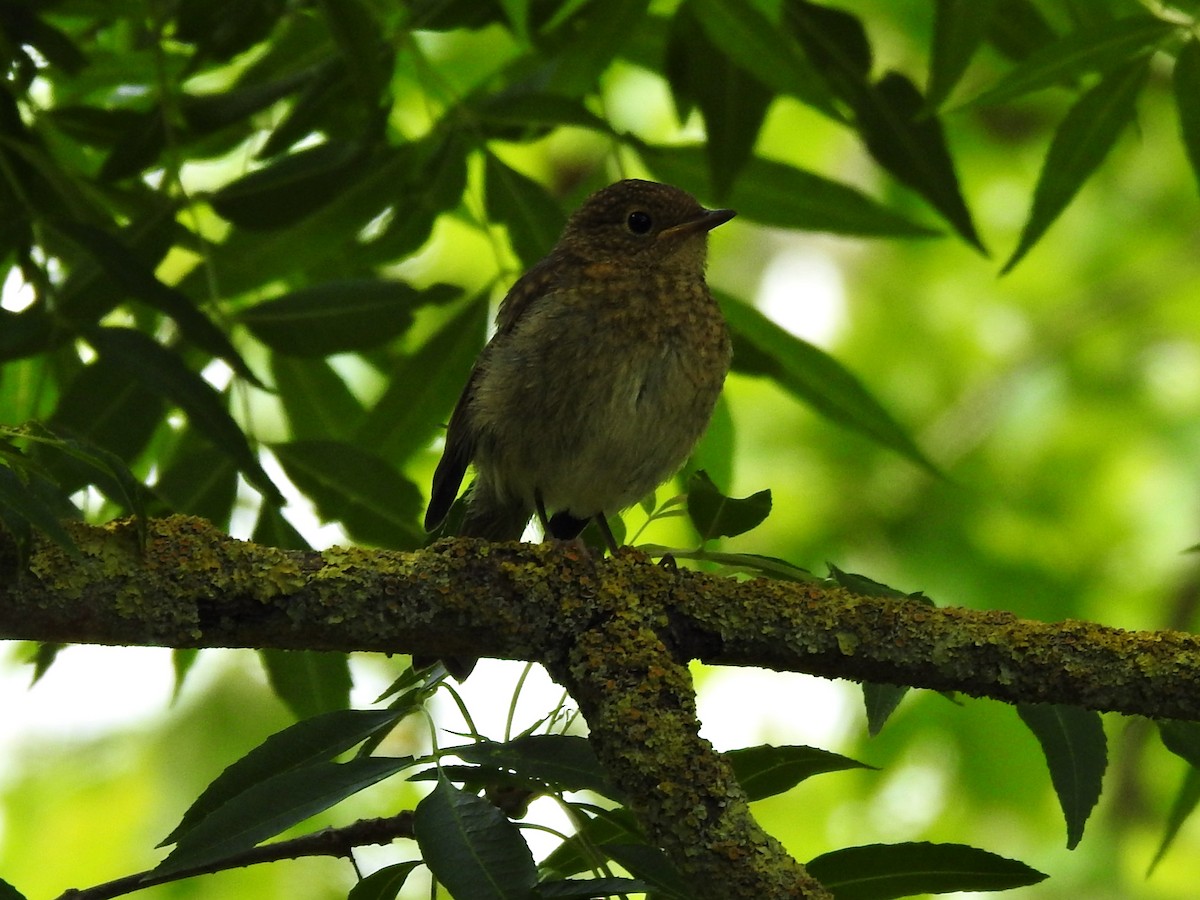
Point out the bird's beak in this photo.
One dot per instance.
(706, 221)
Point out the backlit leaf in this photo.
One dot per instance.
(1076, 752)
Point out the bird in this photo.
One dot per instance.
(603, 371)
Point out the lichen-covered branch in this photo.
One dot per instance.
(617, 632)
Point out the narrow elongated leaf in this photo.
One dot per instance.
(909, 143)
(764, 50)
(1187, 100)
(350, 485)
(836, 42)
(471, 847)
(880, 701)
(773, 193)
(884, 871)
(20, 502)
(1076, 751)
(339, 316)
(296, 747)
(1096, 49)
(1018, 29)
(358, 34)
(534, 220)
(716, 515)
(274, 805)
(291, 187)
(385, 883)
(819, 380)
(1080, 143)
(106, 405)
(959, 28)
(199, 480)
(765, 771)
(1182, 739)
(423, 387)
(732, 101)
(584, 39)
(165, 374)
(308, 681)
(562, 760)
(1182, 808)
(317, 401)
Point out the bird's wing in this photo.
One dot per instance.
(457, 455)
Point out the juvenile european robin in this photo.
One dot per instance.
(607, 360)
(602, 374)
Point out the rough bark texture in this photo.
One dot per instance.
(616, 632)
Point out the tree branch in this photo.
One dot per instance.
(338, 842)
(616, 632)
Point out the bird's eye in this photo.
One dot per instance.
(639, 222)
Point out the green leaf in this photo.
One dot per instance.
(423, 387)
(1076, 751)
(339, 316)
(766, 771)
(959, 27)
(773, 193)
(290, 188)
(836, 42)
(732, 101)
(8, 892)
(359, 36)
(1098, 49)
(716, 515)
(587, 888)
(385, 883)
(308, 681)
(884, 871)
(523, 106)
(1018, 29)
(770, 566)
(818, 379)
(1182, 739)
(534, 220)
(561, 760)
(1187, 100)
(471, 847)
(1182, 808)
(881, 700)
(164, 373)
(199, 480)
(353, 486)
(594, 33)
(274, 805)
(898, 131)
(1080, 143)
(23, 502)
(316, 400)
(295, 748)
(764, 50)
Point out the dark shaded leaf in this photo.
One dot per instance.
(884, 871)
(716, 515)
(770, 566)
(385, 883)
(819, 380)
(1076, 752)
(199, 480)
(909, 143)
(1097, 49)
(423, 387)
(1182, 739)
(1081, 142)
(959, 28)
(534, 220)
(773, 193)
(471, 847)
(314, 396)
(296, 748)
(536, 108)
(763, 49)
(836, 42)
(881, 700)
(8, 892)
(360, 37)
(733, 102)
(222, 28)
(1018, 29)
(291, 187)
(164, 373)
(353, 486)
(339, 316)
(24, 502)
(274, 805)
(1187, 100)
(308, 681)
(561, 760)
(766, 771)
(585, 41)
